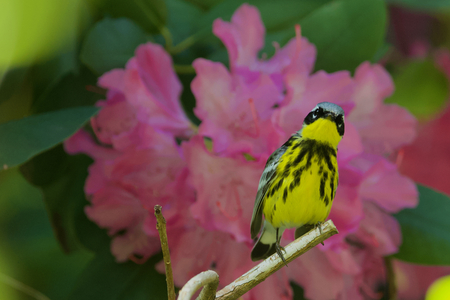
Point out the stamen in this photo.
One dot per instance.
(137, 260)
(238, 205)
(276, 46)
(399, 158)
(254, 115)
(298, 36)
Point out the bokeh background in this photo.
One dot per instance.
(52, 52)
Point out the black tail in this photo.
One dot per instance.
(262, 251)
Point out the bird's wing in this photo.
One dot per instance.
(267, 178)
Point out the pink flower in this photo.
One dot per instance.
(141, 164)
(207, 185)
(151, 89)
(235, 110)
(224, 186)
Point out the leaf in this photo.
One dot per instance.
(276, 15)
(181, 19)
(345, 32)
(71, 90)
(299, 293)
(428, 5)
(425, 230)
(28, 245)
(205, 4)
(22, 139)
(421, 88)
(111, 43)
(61, 178)
(103, 278)
(148, 14)
(10, 82)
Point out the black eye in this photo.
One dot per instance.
(315, 113)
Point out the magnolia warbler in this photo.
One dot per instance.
(299, 182)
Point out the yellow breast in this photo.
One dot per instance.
(304, 187)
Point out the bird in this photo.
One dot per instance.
(299, 181)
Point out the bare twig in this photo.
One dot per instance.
(161, 226)
(208, 279)
(272, 264)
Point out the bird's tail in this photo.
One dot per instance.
(265, 245)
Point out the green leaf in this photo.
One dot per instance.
(10, 81)
(111, 43)
(28, 244)
(421, 88)
(425, 230)
(276, 15)
(149, 14)
(22, 139)
(428, 5)
(61, 178)
(71, 90)
(205, 4)
(299, 293)
(181, 19)
(345, 32)
(103, 278)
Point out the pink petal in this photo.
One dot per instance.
(346, 212)
(82, 142)
(134, 242)
(296, 57)
(113, 80)
(243, 37)
(152, 88)
(226, 188)
(383, 128)
(343, 260)
(235, 110)
(195, 250)
(212, 88)
(379, 231)
(383, 185)
(116, 118)
(373, 85)
(350, 145)
(311, 270)
(275, 286)
(115, 209)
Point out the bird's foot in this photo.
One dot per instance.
(319, 224)
(280, 251)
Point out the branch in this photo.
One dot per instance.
(259, 273)
(208, 279)
(161, 226)
(272, 264)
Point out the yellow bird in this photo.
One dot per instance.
(298, 184)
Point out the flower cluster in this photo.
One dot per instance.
(147, 152)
